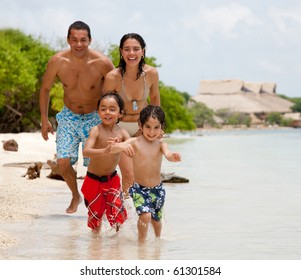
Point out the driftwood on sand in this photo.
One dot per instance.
(34, 171)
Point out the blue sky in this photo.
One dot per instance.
(193, 40)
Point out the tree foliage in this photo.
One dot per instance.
(202, 115)
(234, 118)
(23, 62)
(176, 110)
(274, 118)
(297, 106)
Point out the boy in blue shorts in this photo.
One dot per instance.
(147, 151)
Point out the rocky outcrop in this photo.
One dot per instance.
(10, 145)
(172, 178)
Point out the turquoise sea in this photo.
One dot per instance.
(242, 202)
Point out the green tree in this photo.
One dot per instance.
(274, 118)
(202, 115)
(234, 118)
(177, 114)
(297, 106)
(23, 62)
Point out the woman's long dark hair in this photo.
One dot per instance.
(122, 64)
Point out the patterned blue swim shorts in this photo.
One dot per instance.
(148, 200)
(73, 129)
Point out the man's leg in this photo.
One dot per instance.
(69, 176)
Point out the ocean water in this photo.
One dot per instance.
(242, 202)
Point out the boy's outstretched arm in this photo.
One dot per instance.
(170, 156)
(125, 147)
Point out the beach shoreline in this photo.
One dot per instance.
(23, 200)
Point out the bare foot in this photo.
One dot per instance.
(73, 205)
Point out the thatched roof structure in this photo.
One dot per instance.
(240, 96)
(296, 116)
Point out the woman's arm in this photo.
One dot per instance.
(154, 92)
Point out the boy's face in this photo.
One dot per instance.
(109, 111)
(151, 130)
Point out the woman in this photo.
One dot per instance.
(135, 82)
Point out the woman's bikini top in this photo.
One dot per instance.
(124, 96)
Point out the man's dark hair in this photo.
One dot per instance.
(79, 25)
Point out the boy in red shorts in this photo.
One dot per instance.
(101, 188)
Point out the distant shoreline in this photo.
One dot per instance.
(229, 128)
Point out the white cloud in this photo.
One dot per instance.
(286, 20)
(223, 19)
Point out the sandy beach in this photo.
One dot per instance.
(22, 199)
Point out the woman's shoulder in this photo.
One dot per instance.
(151, 74)
(150, 70)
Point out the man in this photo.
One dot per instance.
(81, 71)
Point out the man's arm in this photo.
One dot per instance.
(110, 82)
(47, 82)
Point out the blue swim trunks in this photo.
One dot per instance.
(148, 200)
(72, 130)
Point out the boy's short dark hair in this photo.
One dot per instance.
(117, 97)
(155, 112)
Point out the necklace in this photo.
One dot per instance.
(135, 105)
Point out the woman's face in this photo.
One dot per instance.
(132, 52)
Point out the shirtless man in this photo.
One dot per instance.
(81, 71)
